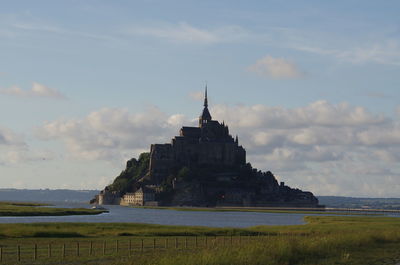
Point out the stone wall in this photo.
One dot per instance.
(161, 161)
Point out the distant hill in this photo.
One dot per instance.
(351, 202)
(47, 195)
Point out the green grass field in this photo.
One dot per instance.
(37, 209)
(323, 240)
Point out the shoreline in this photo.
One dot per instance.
(28, 209)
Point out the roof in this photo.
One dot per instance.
(191, 131)
(205, 115)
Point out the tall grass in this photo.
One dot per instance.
(323, 240)
(327, 249)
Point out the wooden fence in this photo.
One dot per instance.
(59, 250)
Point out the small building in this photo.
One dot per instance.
(141, 197)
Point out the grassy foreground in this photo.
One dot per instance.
(37, 209)
(323, 240)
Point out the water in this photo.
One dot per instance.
(120, 214)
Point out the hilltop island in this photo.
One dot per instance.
(203, 166)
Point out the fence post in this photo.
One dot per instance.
(142, 246)
(130, 246)
(176, 242)
(49, 250)
(223, 241)
(91, 248)
(195, 241)
(77, 249)
(186, 242)
(1, 254)
(63, 251)
(166, 242)
(18, 253)
(206, 242)
(35, 252)
(154, 243)
(116, 245)
(104, 248)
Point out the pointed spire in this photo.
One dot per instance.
(237, 139)
(205, 98)
(205, 115)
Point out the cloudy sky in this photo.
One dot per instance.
(312, 88)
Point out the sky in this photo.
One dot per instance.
(312, 88)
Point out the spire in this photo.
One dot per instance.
(205, 115)
(205, 98)
(237, 139)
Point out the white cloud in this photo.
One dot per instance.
(176, 120)
(20, 156)
(398, 111)
(387, 52)
(112, 133)
(10, 138)
(37, 90)
(384, 52)
(388, 154)
(14, 150)
(186, 33)
(22, 26)
(318, 113)
(322, 147)
(376, 136)
(36, 27)
(375, 47)
(276, 68)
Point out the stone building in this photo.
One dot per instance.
(141, 197)
(208, 144)
(108, 197)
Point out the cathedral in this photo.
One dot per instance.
(208, 144)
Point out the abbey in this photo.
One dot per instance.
(203, 166)
(208, 144)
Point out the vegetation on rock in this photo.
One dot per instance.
(134, 171)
